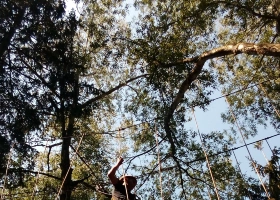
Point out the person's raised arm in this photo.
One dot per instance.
(112, 172)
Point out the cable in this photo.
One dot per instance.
(240, 171)
(134, 125)
(201, 159)
(205, 154)
(200, 104)
(275, 109)
(251, 158)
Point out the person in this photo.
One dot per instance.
(122, 184)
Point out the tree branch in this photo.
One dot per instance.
(246, 48)
(37, 75)
(247, 8)
(92, 172)
(33, 172)
(111, 91)
(48, 157)
(42, 173)
(97, 189)
(6, 40)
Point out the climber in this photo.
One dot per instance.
(123, 184)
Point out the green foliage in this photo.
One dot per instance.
(70, 80)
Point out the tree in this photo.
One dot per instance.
(54, 72)
(192, 48)
(69, 79)
(269, 170)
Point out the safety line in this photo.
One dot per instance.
(275, 109)
(273, 153)
(269, 146)
(205, 154)
(208, 192)
(251, 158)
(241, 172)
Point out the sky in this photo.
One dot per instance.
(211, 120)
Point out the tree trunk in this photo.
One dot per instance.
(66, 171)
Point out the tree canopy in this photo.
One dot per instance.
(120, 78)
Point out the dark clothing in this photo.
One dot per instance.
(119, 192)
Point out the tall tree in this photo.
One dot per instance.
(193, 48)
(57, 72)
(68, 79)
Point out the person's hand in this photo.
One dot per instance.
(120, 161)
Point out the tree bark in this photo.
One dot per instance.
(66, 171)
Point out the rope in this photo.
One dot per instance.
(243, 138)
(240, 171)
(208, 192)
(6, 173)
(269, 146)
(120, 153)
(274, 108)
(69, 167)
(159, 163)
(273, 153)
(205, 154)
(261, 149)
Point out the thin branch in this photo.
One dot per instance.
(111, 91)
(150, 173)
(37, 75)
(96, 189)
(145, 152)
(247, 8)
(48, 157)
(75, 183)
(33, 172)
(83, 160)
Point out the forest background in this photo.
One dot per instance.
(80, 88)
